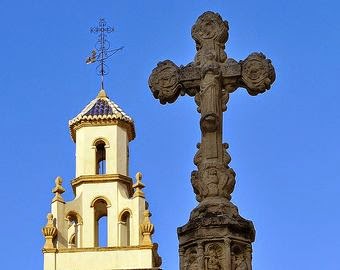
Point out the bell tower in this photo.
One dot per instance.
(102, 132)
(102, 189)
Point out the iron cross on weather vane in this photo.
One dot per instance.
(102, 49)
(210, 78)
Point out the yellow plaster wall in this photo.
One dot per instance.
(116, 152)
(118, 201)
(100, 260)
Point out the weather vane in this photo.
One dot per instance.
(102, 49)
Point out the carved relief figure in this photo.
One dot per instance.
(199, 189)
(210, 31)
(198, 155)
(241, 262)
(166, 79)
(211, 180)
(192, 265)
(209, 99)
(213, 261)
(191, 259)
(226, 156)
(227, 182)
(214, 257)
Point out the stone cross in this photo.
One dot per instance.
(216, 236)
(210, 78)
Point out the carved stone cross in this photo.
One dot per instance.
(210, 78)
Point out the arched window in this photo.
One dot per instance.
(100, 157)
(100, 222)
(124, 228)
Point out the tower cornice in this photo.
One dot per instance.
(93, 249)
(103, 121)
(101, 178)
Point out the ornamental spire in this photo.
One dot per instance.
(49, 231)
(139, 186)
(58, 190)
(102, 94)
(147, 228)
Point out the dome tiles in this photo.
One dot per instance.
(102, 111)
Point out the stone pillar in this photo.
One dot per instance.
(181, 258)
(227, 253)
(79, 234)
(248, 255)
(200, 255)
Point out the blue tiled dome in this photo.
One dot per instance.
(101, 107)
(102, 111)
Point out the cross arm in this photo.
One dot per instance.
(256, 75)
(167, 81)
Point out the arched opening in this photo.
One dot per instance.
(100, 157)
(100, 223)
(102, 232)
(125, 230)
(73, 231)
(72, 241)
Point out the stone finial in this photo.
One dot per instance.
(138, 186)
(102, 94)
(147, 228)
(49, 231)
(58, 190)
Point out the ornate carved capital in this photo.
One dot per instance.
(227, 242)
(213, 181)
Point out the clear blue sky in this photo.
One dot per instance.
(284, 143)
